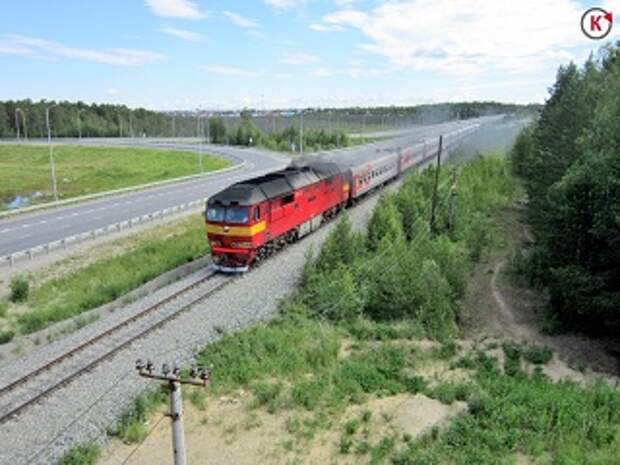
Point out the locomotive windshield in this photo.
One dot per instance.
(234, 215)
(216, 214)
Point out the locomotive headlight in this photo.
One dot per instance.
(242, 245)
(215, 243)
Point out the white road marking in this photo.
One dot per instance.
(25, 225)
(5, 231)
(42, 221)
(60, 217)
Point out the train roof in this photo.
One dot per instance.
(273, 185)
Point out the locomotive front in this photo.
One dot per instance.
(235, 227)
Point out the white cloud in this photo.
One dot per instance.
(325, 28)
(240, 21)
(184, 34)
(184, 9)
(111, 92)
(300, 59)
(322, 72)
(224, 70)
(468, 36)
(25, 45)
(284, 4)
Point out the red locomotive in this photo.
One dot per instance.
(250, 220)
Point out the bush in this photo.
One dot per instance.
(20, 288)
(6, 336)
(333, 294)
(342, 247)
(4, 306)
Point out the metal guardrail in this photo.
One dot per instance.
(44, 249)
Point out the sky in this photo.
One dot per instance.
(188, 54)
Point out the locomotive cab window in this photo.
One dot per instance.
(257, 213)
(216, 214)
(236, 215)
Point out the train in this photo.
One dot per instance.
(252, 219)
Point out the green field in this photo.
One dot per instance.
(80, 170)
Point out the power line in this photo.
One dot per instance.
(135, 449)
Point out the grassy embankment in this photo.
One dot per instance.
(81, 170)
(375, 317)
(120, 267)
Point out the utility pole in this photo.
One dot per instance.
(452, 201)
(200, 135)
(301, 133)
(434, 201)
(173, 124)
(79, 124)
(51, 150)
(17, 110)
(198, 377)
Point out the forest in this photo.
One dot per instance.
(569, 161)
(75, 119)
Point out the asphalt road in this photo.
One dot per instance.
(34, 229)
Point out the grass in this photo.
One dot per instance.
(555, 423)
(81, 170)
(131, 427)
(85, 454)
(106, 279)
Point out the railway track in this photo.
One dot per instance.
(36, 385)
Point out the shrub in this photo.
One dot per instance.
(4, 306)
(20, 288)
(333, 295)
(6, 336)
(342, 247)
(385, 225)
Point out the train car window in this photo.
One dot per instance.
(257, 213)
(236, 215)
(288, 199)
(215, 214)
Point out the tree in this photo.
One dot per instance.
(385, 226)
(217, 130)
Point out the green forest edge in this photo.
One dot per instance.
(403, 281)
(103, 120)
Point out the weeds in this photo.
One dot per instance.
(538, 355)
(131, 427)
(84, 454)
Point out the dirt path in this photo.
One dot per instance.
(511, 312)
